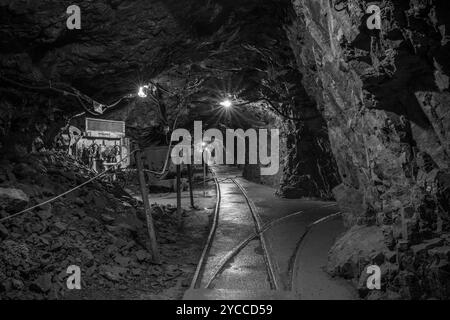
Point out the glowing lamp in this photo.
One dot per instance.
(226, 103)
(143, 91)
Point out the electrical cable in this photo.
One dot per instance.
(76, 94)
(66, 192)
(22, 85)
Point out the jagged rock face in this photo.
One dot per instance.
(118, 43)
(310, 170)
(385, 98)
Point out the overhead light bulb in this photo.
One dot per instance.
(143, 92)
(226, 103)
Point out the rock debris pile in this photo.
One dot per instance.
(98, 228)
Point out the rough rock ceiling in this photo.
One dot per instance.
(122, 43)
(235, 47)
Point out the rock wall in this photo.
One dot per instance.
(384, 95)
(309, 169)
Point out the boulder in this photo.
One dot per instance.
(45, 212)
(142, 255)
(17, 284)
(42, 284)
(360, 246)
(122, 261)
(59, 227)
(4, 233)
(23, 171)
(88, 257)
(350, 201)
(107, 218)
(13, 200)
(113, 273)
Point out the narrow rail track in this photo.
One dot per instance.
(203, 281)
(258, 234)
(195, 281)
(273, 277)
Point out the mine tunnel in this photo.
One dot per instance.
(223, 149)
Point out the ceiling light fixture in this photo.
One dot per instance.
(226, 103)
(142, 93)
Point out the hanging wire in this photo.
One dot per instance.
(80, 97)
(76, 93)
(68, 191)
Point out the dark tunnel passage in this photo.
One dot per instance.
(357, 123)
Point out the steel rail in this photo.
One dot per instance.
(258, 223)
(231, 254)
(260, 229)
(211, 235)
(293, 261)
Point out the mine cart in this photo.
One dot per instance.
(104, 144)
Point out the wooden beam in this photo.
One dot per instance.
(191, 191)
(147, 209)
(179, 211)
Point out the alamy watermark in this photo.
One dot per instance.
(374, 20)
(238, 146)
(374, 279)
(74, 19)
(74, 280)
